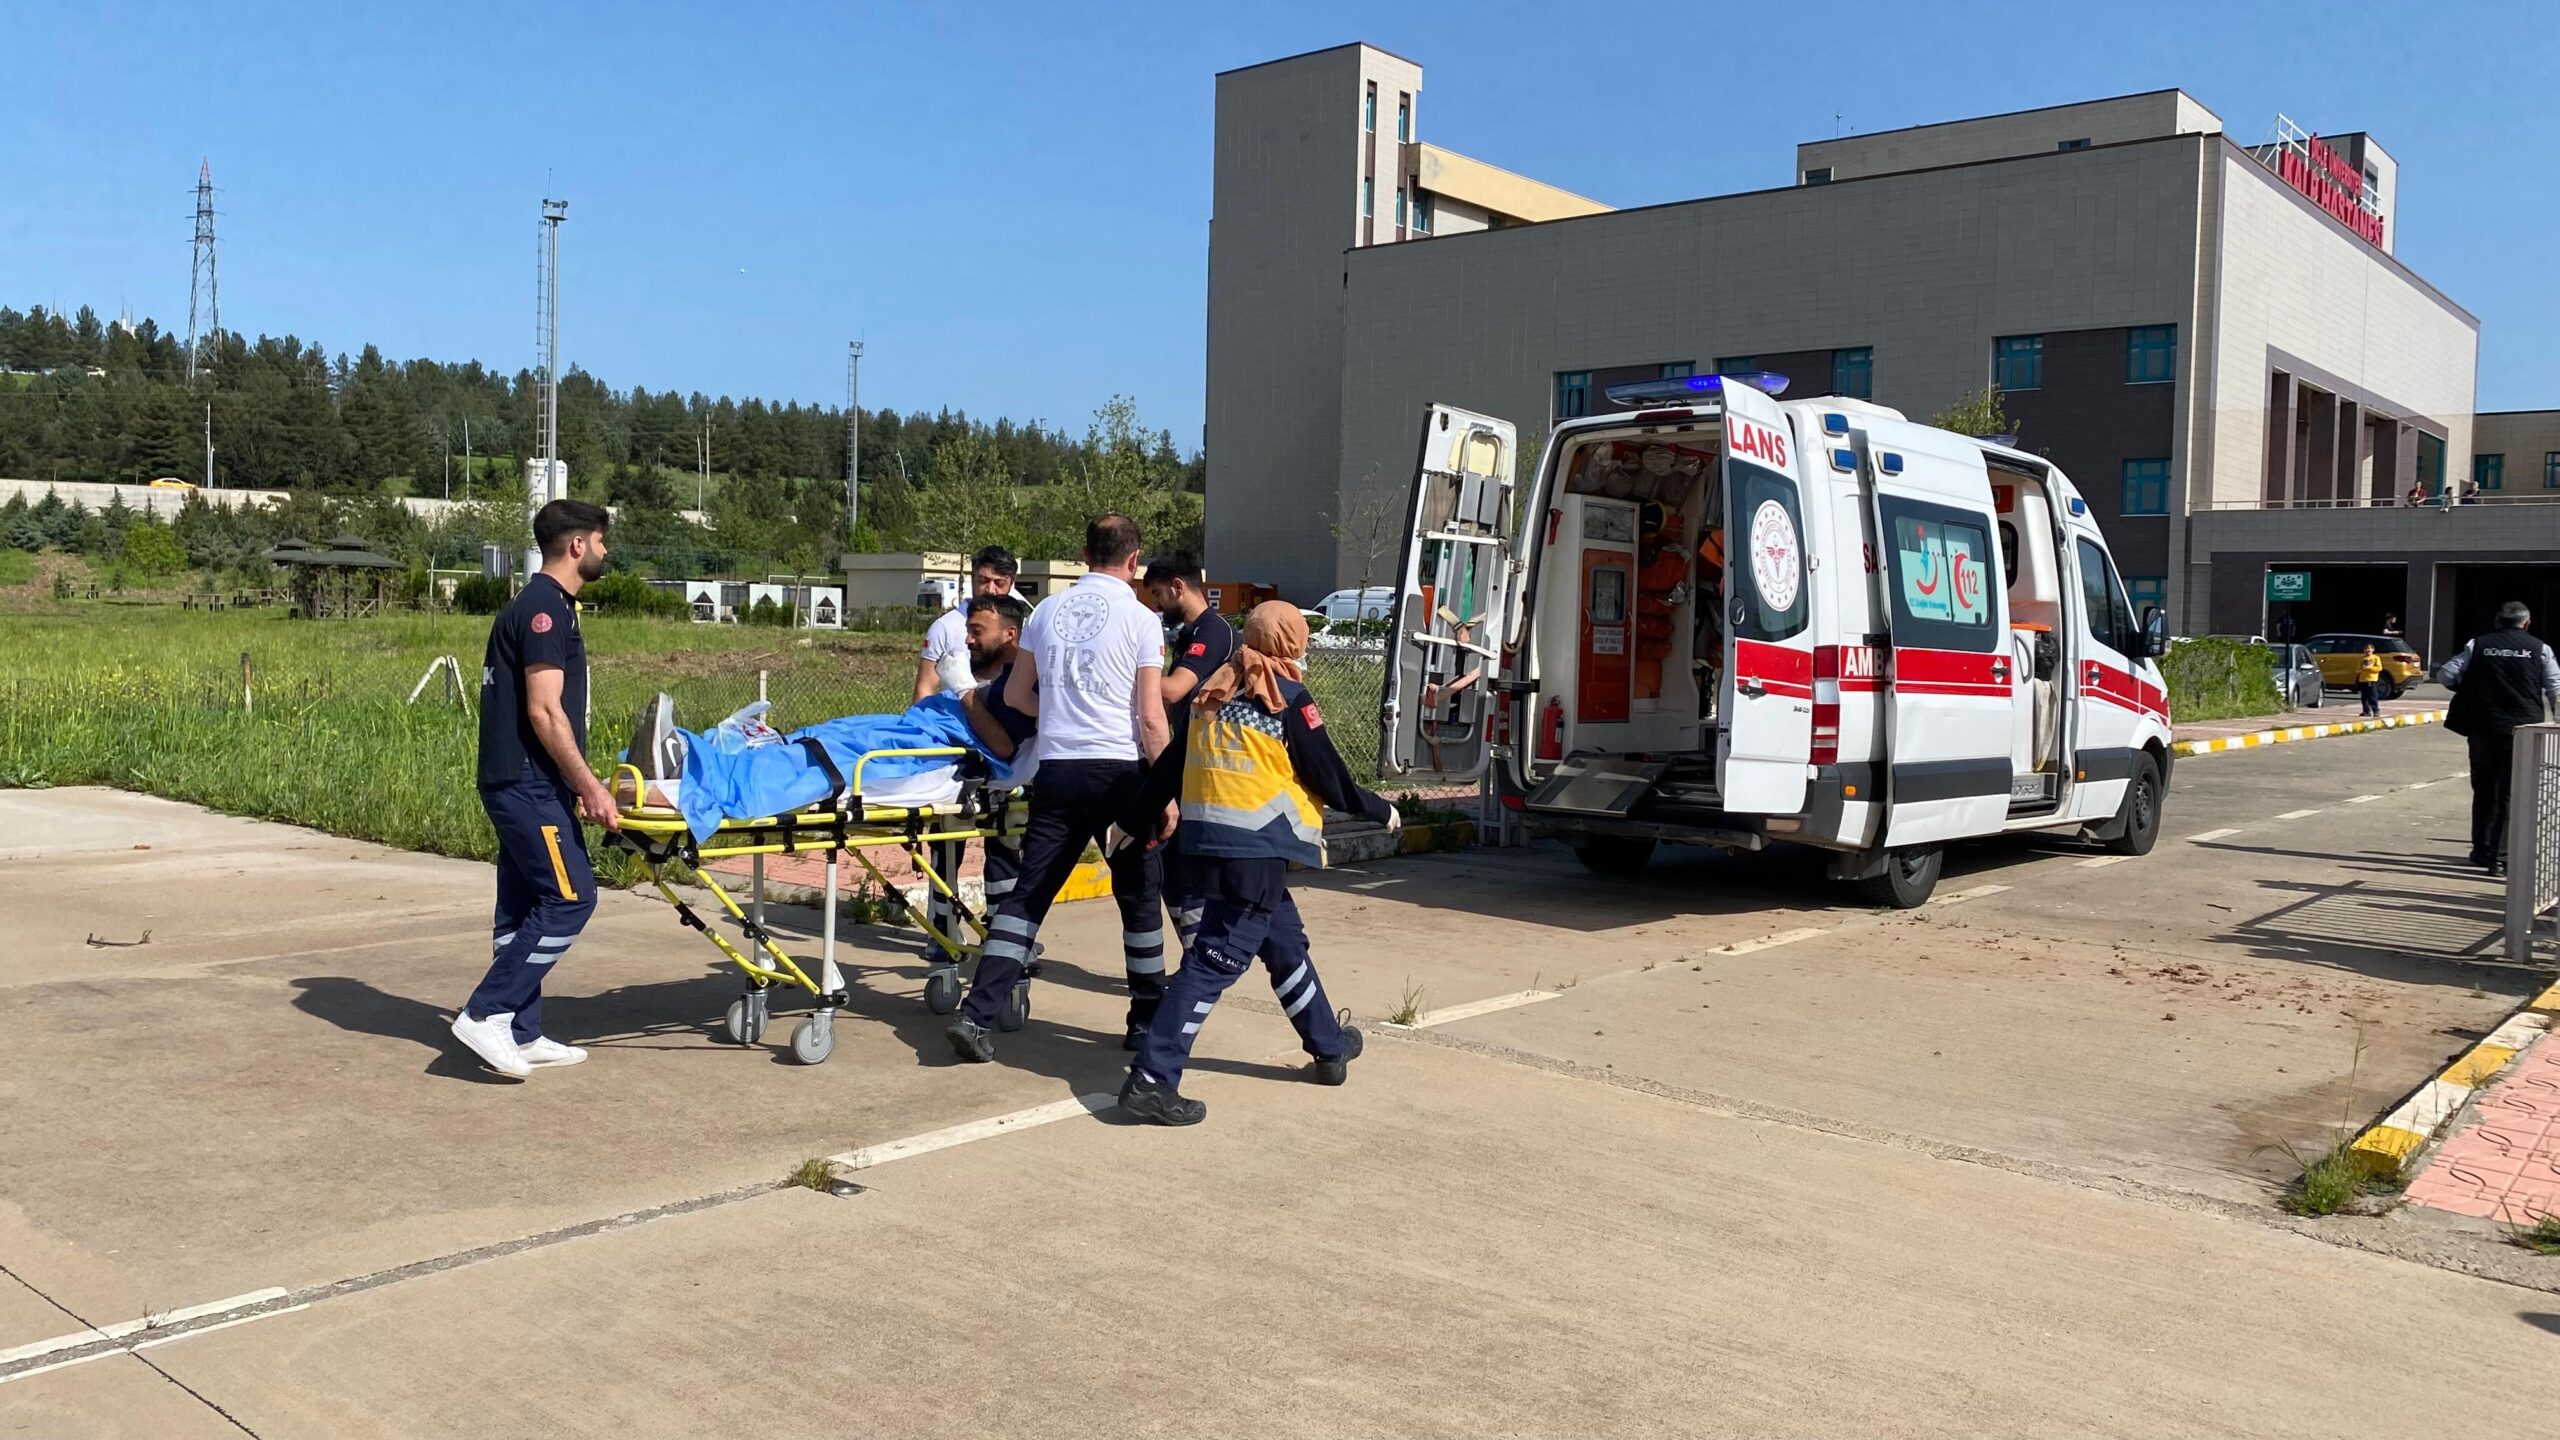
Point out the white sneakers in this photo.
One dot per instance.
(494, 1041)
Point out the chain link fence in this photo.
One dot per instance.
(2533, 837)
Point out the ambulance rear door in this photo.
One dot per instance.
(1948, 691)
(1453, 600)
(1765, 694)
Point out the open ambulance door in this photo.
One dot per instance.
(1948, 697)
(1766, 690)
(1453, 600)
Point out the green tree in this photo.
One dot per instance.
(967, 499)
(149, 549)
(1978, 413)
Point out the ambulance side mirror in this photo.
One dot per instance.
(2155, 632)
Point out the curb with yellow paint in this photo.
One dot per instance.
(2291, 733)
(2385, 1149)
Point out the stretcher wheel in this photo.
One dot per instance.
(1017, 1009)
(746, 1019)
(942, 991)
(814, 1039)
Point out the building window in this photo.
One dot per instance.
(2489, 472)
(2017, 362)
(2147, 592)
(1573, 393)
(1404, 119)
(2551, 469)
(1853, 372)
(1369, 110)
(2150, 354)
(2146, 487)
(1738, 365)
(1820, 175)
(1399, 207)
(1677, 369)
(1422, 212)
(1368, 197)
(2431, 462)
(2080, 144)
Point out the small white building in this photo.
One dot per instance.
(879, 580)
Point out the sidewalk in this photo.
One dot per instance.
(2338, 717)
(2503, 1163)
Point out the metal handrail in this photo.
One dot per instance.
(2360, 502)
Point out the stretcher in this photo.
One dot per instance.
(970, 806)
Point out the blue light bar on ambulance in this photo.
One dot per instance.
(1690, 389)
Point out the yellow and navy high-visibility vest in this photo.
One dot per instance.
(1242, 797)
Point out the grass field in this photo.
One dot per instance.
(152, 698)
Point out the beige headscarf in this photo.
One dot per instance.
(1274, 641)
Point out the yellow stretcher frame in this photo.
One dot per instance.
(658, 837)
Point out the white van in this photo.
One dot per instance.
(1633, 677)
(1370, 604)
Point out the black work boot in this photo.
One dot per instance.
(1151, 1103)
(1338, 1069)
(969, 1041)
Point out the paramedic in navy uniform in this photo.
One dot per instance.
(1091, 667)
(534, 781)
(1199, 649)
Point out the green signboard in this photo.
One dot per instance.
(2288, 584)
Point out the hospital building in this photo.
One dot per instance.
(2210, 331)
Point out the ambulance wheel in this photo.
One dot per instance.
(746, 1019)
(1017, 1009)
(942, 991)
(2141, 812)
(1906, 880)
(813, 1040)
(1619, 855)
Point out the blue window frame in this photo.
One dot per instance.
(2080, 144)
(1678, 369)
(2150, 354)
(2551, 469)
(1737, 364)
(2489, 472)
(1853, 372)
(1422, 212)
(1404, 118)
(1368, 197)
(2017, 362)
(1369, 111)
(1399, 205)
(2146, 487)
(1573, 393)
(2146, 591)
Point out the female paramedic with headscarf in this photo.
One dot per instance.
(1253, 769)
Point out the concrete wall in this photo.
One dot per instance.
(2087, 420)
(1924, 268)
(2295, 283)
(167, 503)
(2525, 437)
(1492, 188)
(1999, 137)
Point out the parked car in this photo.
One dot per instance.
(1373, 603)
(2298, 677)
(2341, 652)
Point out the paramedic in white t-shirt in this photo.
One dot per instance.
(1091, 665)
(945, 662)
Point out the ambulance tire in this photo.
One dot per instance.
(1619, 855)
(2140, 816)
(1907, 879)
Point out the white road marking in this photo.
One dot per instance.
(192, 1312)
(2361, 799)
(122, 1328)
(1474, 1008)
(2103, 861)
(1976, 893)
(1380, 884)
(1766, 942)
(2297, 814)
(225, 1325)
(932, 1140)
(2423, 784)
(2209, 835)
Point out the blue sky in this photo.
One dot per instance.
(1009, 202)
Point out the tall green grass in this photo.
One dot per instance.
(2220, 680)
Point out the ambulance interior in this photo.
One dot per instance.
(2031, 557)
(1627, 669)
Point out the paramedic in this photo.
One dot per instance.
(1091, 667)
(1204, 642)
(2501, 680)
(945, 664)
(1253, 769)
(534, 781)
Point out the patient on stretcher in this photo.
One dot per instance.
(774, 775)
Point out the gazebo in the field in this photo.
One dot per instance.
(345, 580)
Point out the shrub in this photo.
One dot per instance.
(17, 567)
(2220, 680)
(625, 593)
(482, 594)
(150, 550)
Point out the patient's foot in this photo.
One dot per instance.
(657, 746)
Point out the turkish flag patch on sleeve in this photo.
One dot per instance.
(1198, 649)
(1307, 712)
(541, 622)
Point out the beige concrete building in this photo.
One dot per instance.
(2212, 337)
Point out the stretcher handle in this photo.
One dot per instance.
(928, 752)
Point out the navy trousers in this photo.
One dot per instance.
(1072, 803)
(1232, 932)
(546, 891)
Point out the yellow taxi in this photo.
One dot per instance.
(2339, 654)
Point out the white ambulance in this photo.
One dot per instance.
(1725, 619)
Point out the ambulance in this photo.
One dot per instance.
(1723, 618)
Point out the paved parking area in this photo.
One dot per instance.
(1752, 1160)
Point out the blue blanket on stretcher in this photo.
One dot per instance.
(777, 779)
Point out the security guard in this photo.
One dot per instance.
(1254, 769)
(533, 782)
(2501, 680)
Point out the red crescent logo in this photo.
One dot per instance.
(541, 624)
